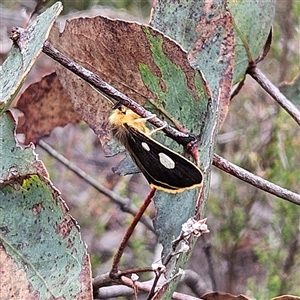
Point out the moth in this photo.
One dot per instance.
(163, 168)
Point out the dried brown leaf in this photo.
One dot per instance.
(45, 105)
(223, 296)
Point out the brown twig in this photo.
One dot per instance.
(254, 180)
(115, 266)
(113, 292)
(154, 286)
(123, 287)
(124, 203)
(274, 92)
(135, 270)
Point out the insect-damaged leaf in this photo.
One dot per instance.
(42, 254)
(217, 53)
(135, 59)
(23, 54)
(253, 21)
(15, 161)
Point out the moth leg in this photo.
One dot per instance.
(157, 129)
(145, 119)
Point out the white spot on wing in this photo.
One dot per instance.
(166, 161)
(145, 146)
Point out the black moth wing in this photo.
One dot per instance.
(146, 153)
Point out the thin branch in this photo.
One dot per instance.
(136, 270)
(124, 203)
(254, 180)
(154, 286)
(113, 93)
(118, 288)
(195, 282)
(274, 92)
(114, 292)
(115, 266)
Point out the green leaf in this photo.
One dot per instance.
(23, 54)
(194, 18)
(185, 15)
(42, 251)
(15, 161)
(186, 102)
(42, 239)
(211, 50)
(253, 22)
(172, 211)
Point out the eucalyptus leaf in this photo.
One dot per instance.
(24, 52)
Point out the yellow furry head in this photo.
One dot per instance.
(123, 115)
